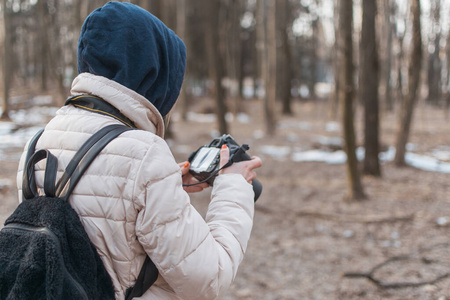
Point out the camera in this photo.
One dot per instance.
(205, 161)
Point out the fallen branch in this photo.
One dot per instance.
(355, 219)
(338, 217)
(393, 285)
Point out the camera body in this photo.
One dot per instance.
(204, 163)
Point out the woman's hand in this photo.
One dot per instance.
(189, 179)
(245, 168)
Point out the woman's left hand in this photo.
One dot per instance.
(189, 179)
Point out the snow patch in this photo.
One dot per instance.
(276, 152)
(332, 127)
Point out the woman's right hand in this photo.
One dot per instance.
(245, 168)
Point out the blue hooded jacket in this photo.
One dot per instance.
(127, 44)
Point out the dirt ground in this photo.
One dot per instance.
(307, 238)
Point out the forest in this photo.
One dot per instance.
(346, 101)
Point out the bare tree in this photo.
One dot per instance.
(434, 60)
(233, 50)
(369, 87)
(284, 55)
(314, 59)
(400, 57)
(386, 44)
(7, 57)
(43, 42)
(414, 68)
(181, 31)
(336, 64)
(346, 96)
(267, 25)
(215, 61)
(447, 84)
(269, 80)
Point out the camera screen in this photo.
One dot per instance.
(204, 158)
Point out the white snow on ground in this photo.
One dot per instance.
(330, 141)
(294, 125)
(427, 163)
(211, 118)
(276, 152)
(17, 138)
(33, 116)
(442, 153)
(332, 127)
(6, 128)
(423, 162)
(24, 124)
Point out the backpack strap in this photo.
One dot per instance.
(30, 152)
(146, 278)
(84, 157)
(32, 145)
(29, 189)
(76, 167)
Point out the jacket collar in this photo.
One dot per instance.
(134, 106)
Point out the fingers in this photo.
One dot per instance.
(224, 155)
(255, 162)
(184, 166)
(188, 179)
(251, 176)
(195, 188)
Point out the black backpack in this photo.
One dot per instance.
(45, 252)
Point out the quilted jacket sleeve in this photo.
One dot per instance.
(198, 258)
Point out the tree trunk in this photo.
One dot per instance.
(43, 43)
(284, 68)
(7, 58)
(334, 97)
(271, 66)
(216, 68)
(181, 32)
(400, 60)
(233, 50)
(434, 61)
(447, 100)
(413, 86)
(346, 95)
(369, 87)
(386, 38)
(260, 47)
(312, 79)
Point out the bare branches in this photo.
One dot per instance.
(368, 219)
(354, 218)
(410, 259)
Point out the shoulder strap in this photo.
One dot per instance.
(32, 145)
(29, 189)
(75, 169)
(30, 152)
(147, 276)
(84, 157)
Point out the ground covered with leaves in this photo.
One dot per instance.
(308, 240)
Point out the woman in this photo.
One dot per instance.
(131, 200)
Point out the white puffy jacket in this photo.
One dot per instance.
(131, 201)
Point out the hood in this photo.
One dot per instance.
(127, 44)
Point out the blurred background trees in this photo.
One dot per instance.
(274, 51)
